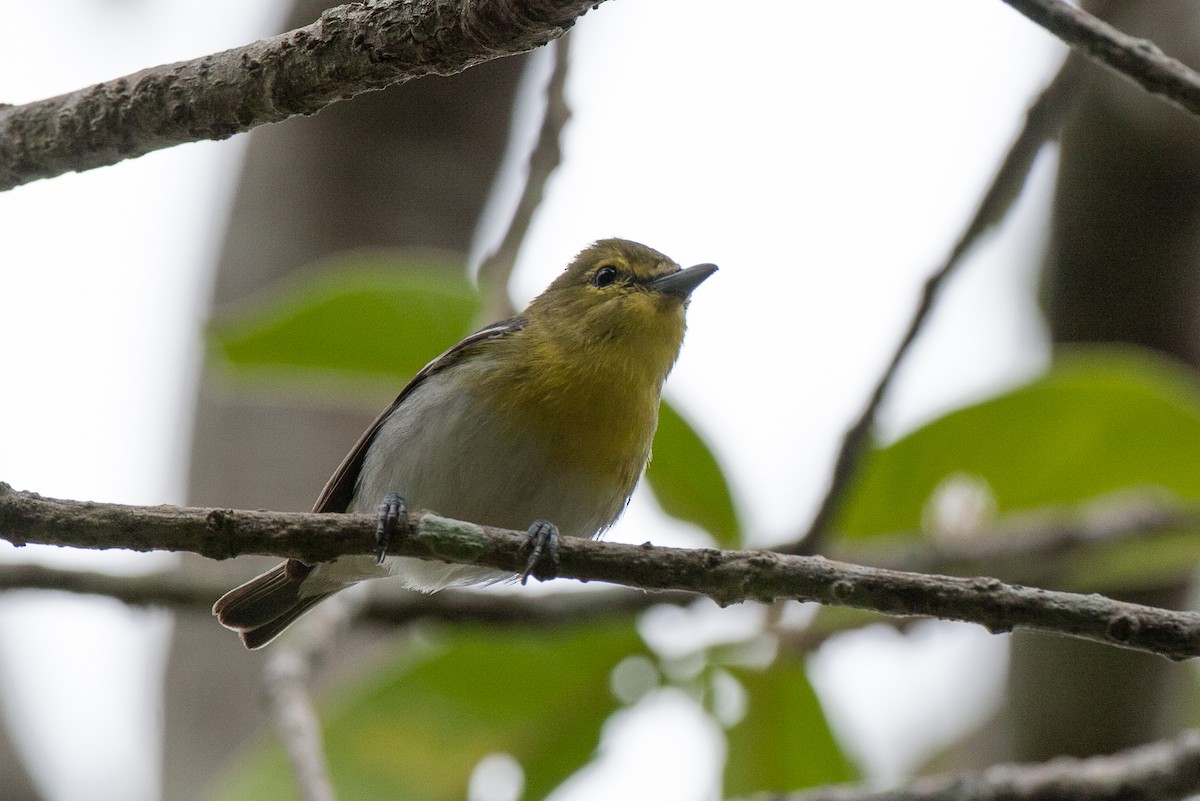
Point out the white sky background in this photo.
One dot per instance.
(826, 161)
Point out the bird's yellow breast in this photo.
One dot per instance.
(593, 390)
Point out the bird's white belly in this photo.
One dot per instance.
(439, 452)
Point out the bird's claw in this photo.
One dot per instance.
(542, 543)
(393, 515)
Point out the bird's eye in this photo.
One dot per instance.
(605, 276)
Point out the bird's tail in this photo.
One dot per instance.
(264, 606)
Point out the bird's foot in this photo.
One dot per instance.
(543, 551)
(393, 515)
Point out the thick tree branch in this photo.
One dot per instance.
(1139, 60)
(725, 576)
(1006, 548)
(1161, 771)
(350, 49)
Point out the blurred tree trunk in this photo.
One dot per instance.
(17, 784)
(411, 166)
(1121, 266)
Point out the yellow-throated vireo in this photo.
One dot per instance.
(547, 416)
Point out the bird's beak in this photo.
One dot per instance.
(682, 283)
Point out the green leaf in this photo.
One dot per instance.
(1100, 420)
(783, 743)
(416, 731)
(377, 312)
(1128, 566)
(687, 479)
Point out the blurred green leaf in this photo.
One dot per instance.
(687, 479)
(376, 312)
(1128, 566)
(783, 743)
(416, 731)
(1101, 419)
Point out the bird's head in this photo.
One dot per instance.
(621, 294)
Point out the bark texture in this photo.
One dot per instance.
(350, 49)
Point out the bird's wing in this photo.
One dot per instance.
(339, 491)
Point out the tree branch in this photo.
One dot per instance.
(1005, 548)
(298, 725)
(1041, 124)
(725, 576)
(497, 268)
(350, 49)
(1139, 60)
(286, 674)
(1161, 771)
(1034, 542)
(384, 606)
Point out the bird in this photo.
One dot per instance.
(543, 421)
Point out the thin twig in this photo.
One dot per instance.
(351, 49)
(298, 726)
(287, 673)
(1161, 771)
(725, 576)
(1042, 122)
(497, 268)
(1139, 60)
